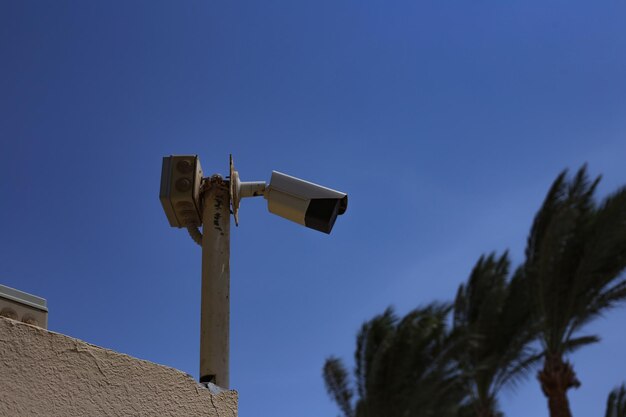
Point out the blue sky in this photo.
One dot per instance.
(445, 121)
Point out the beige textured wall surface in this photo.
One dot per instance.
(47, 374)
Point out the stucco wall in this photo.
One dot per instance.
(48, 374)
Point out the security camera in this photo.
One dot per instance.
(304, 202)
(300, 201)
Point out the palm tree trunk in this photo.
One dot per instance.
(556, 377)
(486, 412)
(484, 406)
(558, 405)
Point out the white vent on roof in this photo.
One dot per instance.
(21, 306)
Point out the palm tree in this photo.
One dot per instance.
(403, 368)
(616, 403)
(575, 256)
(492, 322)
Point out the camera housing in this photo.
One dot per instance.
(304, 202)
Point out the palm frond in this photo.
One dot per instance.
(493, 322)
(575, 253)
(616, 402)
(338, 386)
(573, 344)
(403, 367)
(373, 336)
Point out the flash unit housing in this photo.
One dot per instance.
(181, 177)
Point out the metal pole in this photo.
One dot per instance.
(215, 310)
